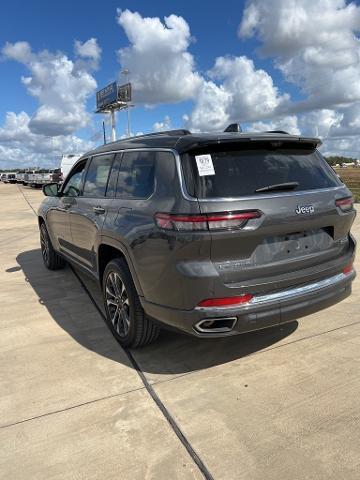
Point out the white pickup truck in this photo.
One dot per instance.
(38, 178)
(42, 177)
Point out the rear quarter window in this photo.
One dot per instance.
(241, 173)
(136, 179)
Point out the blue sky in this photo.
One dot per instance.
(246, 58)
(45, 26)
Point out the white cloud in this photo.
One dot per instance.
(319, 122)
(252, 91)
(61, 86)
(210, 109)
(161, 68)
(162, 71)
(19, 51)
(242, 94)
(347, 147)
(288, 124)
(20, 147)
(314, 44)
(349, 123)
(164, 125)
(88, 49)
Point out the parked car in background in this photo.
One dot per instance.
(67, 162)
(31, 178)
(44, 176)
(28, 177)
(9, 178)
(2, 177)
(212, 234)
(20, 176)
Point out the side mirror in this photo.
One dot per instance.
(51, 190)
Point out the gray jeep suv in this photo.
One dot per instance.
(212, 234)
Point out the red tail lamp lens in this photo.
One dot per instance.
(348, 269)
(345, 204)
(226, 301)
(212, 221)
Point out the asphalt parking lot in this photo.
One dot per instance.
(278, 404)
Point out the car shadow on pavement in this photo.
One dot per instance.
(173, 353)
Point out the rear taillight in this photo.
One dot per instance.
(226, 301)
(345, 204)
(212, 221)
(348, 269)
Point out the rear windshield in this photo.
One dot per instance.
(241, 173)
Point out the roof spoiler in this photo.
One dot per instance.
(251, 141)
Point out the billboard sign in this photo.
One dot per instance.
(124, 93)
(106, 96)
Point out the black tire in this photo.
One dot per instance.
(124, 313)
(52, 260)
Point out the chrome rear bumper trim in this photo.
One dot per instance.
(285, 295)
(304, 289)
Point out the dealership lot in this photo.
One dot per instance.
(277, 404)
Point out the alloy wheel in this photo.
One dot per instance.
(44, 241)
(117, 301)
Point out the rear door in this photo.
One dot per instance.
(87, 215)
(132, 210)
(290, 229)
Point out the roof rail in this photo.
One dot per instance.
(277, 131)
(178, 132)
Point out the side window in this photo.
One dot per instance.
(136, 175)
(73, 182)
(111, 188)
(97, 176)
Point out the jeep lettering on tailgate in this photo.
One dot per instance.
(305, 209)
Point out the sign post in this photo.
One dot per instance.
(113, 126)
(112, 98)
(124, 95)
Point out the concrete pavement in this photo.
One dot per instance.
(277, 404)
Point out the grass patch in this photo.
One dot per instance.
(351, 177)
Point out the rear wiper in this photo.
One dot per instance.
(278, 186)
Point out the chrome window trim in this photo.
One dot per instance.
(140, 149)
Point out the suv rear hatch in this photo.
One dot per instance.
(300, 213)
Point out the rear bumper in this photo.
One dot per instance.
(262, 311)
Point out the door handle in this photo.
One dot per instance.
(99, 210)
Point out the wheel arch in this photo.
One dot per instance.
(109, 249)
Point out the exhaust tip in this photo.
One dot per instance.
(215, 325)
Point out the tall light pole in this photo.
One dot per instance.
(126, 73)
